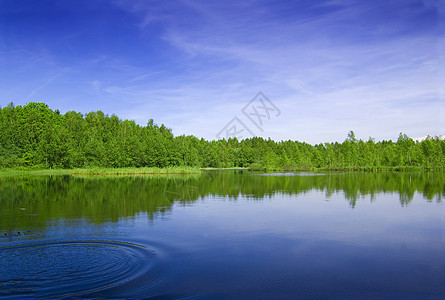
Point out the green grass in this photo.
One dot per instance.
(96, 171)
(343, 169)
(101, 171)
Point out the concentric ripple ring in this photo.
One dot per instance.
(72, 268)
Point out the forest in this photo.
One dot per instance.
(35, 136)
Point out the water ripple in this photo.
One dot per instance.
(74, 268)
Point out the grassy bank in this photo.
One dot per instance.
(100, 171)
(188, 170)
(345, 169)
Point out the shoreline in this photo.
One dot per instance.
(94, 171)
(101, 171)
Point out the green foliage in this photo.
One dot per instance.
(35, 136)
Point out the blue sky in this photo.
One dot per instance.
(328, 66)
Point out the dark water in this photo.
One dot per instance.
(224, 235)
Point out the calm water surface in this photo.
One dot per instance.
(224, 235)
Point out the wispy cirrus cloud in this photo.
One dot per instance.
(331, 66)
(329, 60)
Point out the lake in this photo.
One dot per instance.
(224, 235)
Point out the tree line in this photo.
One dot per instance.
(33, 135)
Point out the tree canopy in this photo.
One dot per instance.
(33, 135)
